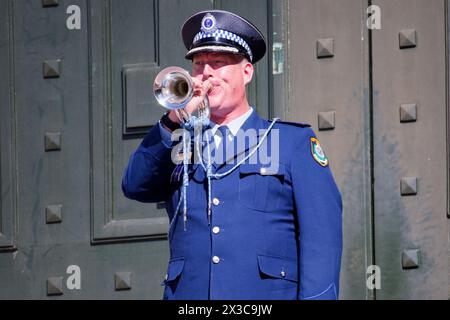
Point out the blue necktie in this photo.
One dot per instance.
(225, 131)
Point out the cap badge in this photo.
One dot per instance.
(209, 23)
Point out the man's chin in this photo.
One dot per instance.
(216, 111)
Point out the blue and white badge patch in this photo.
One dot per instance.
(317, 153)
(209, 23)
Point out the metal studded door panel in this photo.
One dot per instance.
(377, 100)
(74, 105)
(328, 88)
(73, 142)
(410, 150)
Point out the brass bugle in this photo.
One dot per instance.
(173, 88)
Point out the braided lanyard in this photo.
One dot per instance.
(207, 168)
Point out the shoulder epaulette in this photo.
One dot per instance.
(297, 124)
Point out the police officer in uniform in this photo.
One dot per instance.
(252, 231)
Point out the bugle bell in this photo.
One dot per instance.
(173, 88)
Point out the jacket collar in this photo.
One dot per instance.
(253, 123)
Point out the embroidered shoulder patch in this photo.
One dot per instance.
(317, 153)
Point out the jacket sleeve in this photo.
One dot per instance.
(147, 176)
(319, 211)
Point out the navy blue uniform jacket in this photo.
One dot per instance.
(272, 236)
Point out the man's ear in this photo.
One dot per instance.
(247, 70)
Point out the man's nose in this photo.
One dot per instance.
(208, 71)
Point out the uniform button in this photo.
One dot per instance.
(216, 201)
(263, 171)
(216, 230)
(216, 259)
(283, 274)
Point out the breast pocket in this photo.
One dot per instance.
(261, 187)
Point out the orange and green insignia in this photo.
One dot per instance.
(317, 153)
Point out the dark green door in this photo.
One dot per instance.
(76, 100)
(377, 99)
(75, 103)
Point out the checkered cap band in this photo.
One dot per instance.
(223, 34)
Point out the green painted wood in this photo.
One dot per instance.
(338, 84)
(8, 181)
(412, 149)
(70, 207)
(64, 208)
